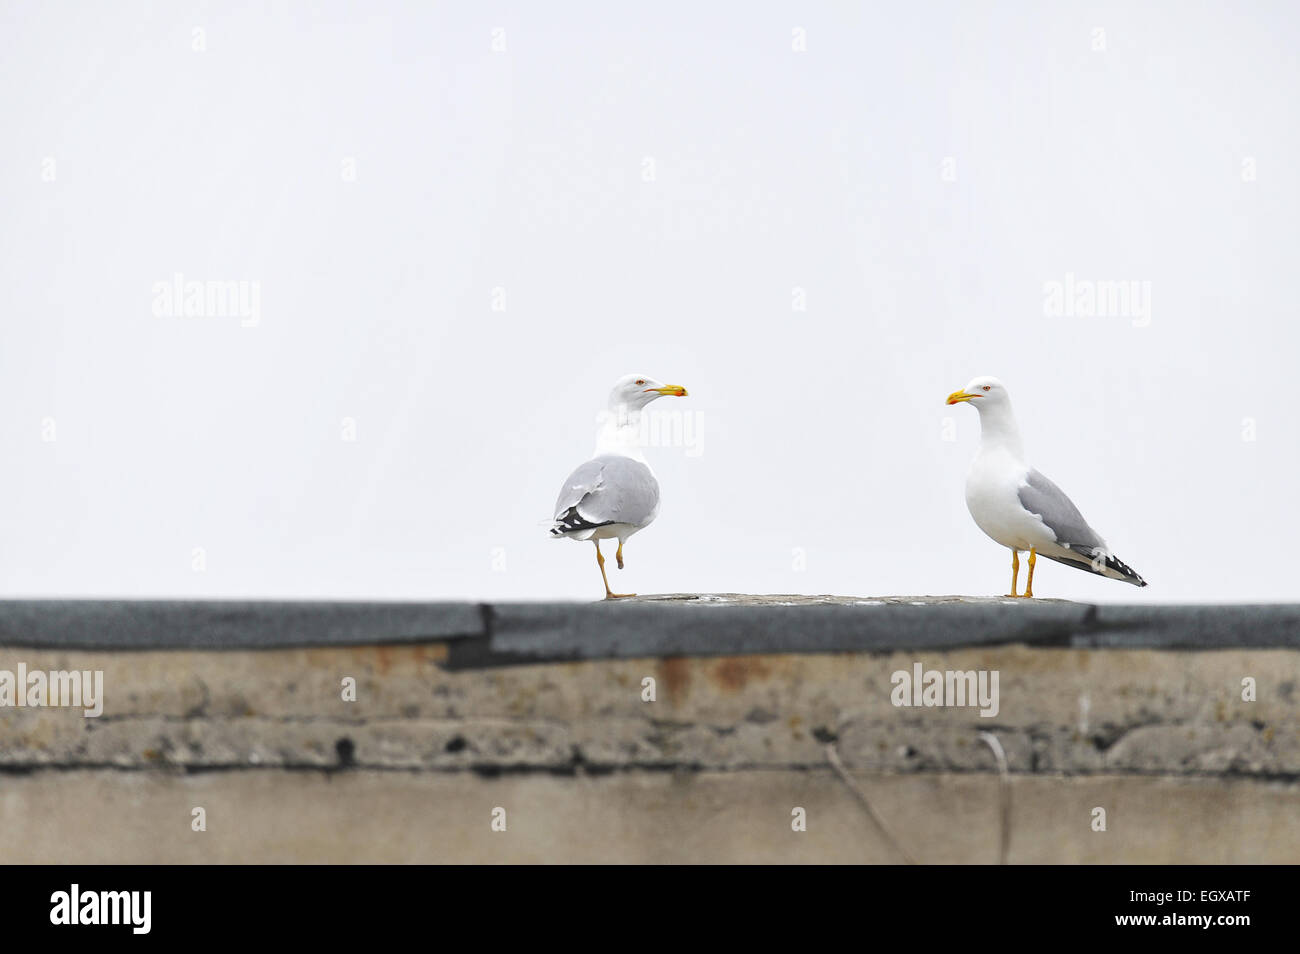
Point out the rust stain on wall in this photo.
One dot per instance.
(733, 673)
(382, 660)
(674, 675)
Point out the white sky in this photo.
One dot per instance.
(821, 432)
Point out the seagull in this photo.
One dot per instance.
(614, 494)
(1020, 508)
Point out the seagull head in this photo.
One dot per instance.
(982, 392)
(635, 391)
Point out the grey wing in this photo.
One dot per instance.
(605, 490)
(1040, 496)
(578, 484)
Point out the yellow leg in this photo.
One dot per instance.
(619, 554)
(1015, 571)
(1029, 584)
(600, 561)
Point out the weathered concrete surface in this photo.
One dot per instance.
(1060, 710)
(272, 817)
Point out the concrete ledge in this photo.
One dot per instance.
(669, 625)
(229, 624)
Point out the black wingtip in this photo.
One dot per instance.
(1129, 574)
(571, 521)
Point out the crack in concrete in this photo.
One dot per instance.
(571, 768)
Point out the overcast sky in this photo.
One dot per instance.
(456, 225)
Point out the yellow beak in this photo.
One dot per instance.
(670, 390)
(956, 397)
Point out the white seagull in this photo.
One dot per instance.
(1020, 508)
(614, 494)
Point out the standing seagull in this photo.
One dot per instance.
(1019, 507)
(614, 494)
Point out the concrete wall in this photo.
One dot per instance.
(286, 770)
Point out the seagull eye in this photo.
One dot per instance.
(642, 381)
(988, 387)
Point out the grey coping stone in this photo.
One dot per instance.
(724, 625)
(1240, 626)
(229, 624)
(667, 625)
(732, 624)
